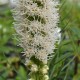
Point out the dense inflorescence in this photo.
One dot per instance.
(36, 23)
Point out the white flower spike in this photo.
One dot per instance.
(36, 22)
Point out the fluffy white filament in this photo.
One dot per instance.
(36, 24)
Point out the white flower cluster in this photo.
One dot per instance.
(36, 24)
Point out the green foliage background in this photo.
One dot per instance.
(65, 64)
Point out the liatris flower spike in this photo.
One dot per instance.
(36, 23)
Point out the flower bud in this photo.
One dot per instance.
(46, 77)
(34, 68)
(31, 79)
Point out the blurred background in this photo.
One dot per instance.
(65, 64)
